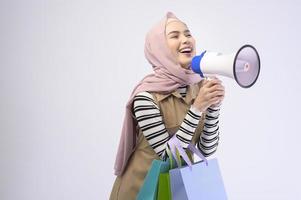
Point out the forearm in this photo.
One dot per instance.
(210, 136)
(188, 126)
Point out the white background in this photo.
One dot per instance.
(67, 69)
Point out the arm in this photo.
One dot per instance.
(150, 121)
(209, 138)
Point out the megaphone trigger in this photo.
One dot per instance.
(207, 78)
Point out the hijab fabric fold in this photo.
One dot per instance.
(168, 76)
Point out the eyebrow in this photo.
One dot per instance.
(177, 32)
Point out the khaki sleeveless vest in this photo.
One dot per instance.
(173, 108)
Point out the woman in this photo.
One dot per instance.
(172, 100)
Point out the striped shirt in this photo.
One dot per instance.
(151, 123)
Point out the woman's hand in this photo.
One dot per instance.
(211, 93)
(221, 98)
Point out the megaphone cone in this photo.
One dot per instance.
(243, 65)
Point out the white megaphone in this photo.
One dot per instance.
(243, 65)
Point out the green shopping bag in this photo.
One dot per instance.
(156, 182)
(164, 192)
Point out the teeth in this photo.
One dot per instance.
(186, 49)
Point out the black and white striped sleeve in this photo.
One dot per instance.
(151, 123)
(188, 126)
(209, 138)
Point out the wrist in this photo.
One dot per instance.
(216, 106)
(197, 108)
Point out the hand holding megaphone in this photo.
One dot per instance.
(243, 65)
(211, 93)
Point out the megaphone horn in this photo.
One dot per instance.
(243, 65)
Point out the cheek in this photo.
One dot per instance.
(193, 43)
(173, 46)
(194, 47)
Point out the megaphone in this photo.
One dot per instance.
(243, 65)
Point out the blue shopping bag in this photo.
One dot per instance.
(201, 180)
(177, 187)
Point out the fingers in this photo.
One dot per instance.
(209, 83)
(217, 94)
(216, 100)
(211, 97)
(217, 87)
(212, 86)
(211, 92)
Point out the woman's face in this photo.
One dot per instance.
(180, 42)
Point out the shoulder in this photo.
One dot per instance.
(143, 95)
(144, 98)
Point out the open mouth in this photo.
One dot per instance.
(186, 50)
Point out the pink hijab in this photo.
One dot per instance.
(168, 76)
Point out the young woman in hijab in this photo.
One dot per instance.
(172, 100)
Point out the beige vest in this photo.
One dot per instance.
(173, 108)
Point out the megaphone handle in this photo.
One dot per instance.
(208, 78)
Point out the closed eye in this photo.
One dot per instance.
(187, 34)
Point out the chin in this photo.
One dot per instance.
(186, 65)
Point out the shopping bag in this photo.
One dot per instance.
(149, 189)
(156, 184)
(164, 187)
(177, 187)
(201, 180)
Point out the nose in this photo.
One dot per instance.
(185, 40)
